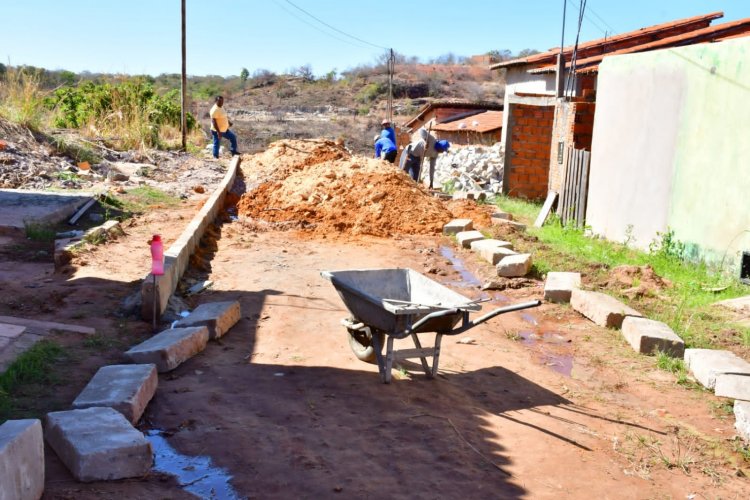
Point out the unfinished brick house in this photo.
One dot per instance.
(549, 107)
(461, 122)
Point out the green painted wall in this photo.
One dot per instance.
(698, 153)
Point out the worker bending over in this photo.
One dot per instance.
(385, 149)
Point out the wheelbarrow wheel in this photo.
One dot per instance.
(361, 343)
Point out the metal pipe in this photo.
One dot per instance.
(496, 312)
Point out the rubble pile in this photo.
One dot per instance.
(471, 168)
(318, 186)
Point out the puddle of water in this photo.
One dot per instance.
(195, 475)
(529, 319)
(467, 278)
(562, 364)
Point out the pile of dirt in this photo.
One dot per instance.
(319, 186)
(636, 281)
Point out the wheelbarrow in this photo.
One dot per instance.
(389, 304)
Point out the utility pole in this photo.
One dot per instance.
(559, 92)
(183, 87)
(391, 71)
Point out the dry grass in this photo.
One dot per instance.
(22, 99)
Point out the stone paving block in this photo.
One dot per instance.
(707, 364)
(21, 459)
(170, 348)
(733, 385)
(466, 238)
(647, 336)
(125, 388)
(501, 216)
(64, 250)
(98, 444)
(493, 251)
(11, 331)
(513, 224)
(559, 286)
(514, 266)
(742, 419)
(463, 195)
(600, 308)
(457, 225)
(218, 317)
(109, 228)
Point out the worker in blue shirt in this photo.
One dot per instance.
(385, 148)
(389, 131)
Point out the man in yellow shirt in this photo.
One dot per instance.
(220, 127)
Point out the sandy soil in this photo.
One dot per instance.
(534, 404)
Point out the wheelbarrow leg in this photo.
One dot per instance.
(436, 357)
(425, 366)
(388, 360)
(379, 356)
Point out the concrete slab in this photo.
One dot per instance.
(110, 228)
(125, 388)
(501, 216)
(559, 286)
(466, 238)
(600, 308)
(647, 336)
(21, 459)
(18, 207)
(11, 331)
(47, 325)
(64, 250)
(170, 348)
(707, 364)
(464, 195)
(742, 419)
(733, 385)
(98, 444)
(514, 266)
(493, 251)
(739, 304)
(218, 317)
(511, 223)
(457, 225)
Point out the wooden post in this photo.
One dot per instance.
(183, 87)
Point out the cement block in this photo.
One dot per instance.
(125, 388)
(466, 238)
(501, 216)
(600, 308)
(493, 251)
(98, 444)
(109, 228)
(707, 364)
(514, 266)
(733, 385)
(21, 459)
(742, 419)
(170, 348)
(11, 331)
(218, 317)
(463, 195)
(64, 250)
(647, 336)
(560, 285)
(510, 223)
(457, 225)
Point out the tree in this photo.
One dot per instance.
(305, 71)
(527, 52)
(244, 74)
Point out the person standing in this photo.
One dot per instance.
(423, 145)
(385, 148)
(220, 127)
(389, 131)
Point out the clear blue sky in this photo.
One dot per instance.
(138, 36)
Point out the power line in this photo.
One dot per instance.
(597, 25)
(299, 18)
(334, 28)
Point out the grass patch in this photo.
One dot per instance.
(39, 231)
(686, 306)
(31, 367)
(137, 201)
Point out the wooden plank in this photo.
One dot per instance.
(576, 183)
(427, 352)
(584, 188)
(546, 208)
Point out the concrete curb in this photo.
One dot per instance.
(177, 256)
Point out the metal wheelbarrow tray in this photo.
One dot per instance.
(400, 303)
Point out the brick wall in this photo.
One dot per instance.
(573, 126)
(530, 139)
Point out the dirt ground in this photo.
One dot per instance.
(533, 404)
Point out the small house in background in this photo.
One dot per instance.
(461, 122)
(549, 114)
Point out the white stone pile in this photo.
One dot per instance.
(471, 168)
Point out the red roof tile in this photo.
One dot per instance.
(481, 122)
(617, 42)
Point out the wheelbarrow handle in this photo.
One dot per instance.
(501, 310)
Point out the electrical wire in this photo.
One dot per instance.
(571, 79)
(299, 18)
(597, 25)
(334, 28)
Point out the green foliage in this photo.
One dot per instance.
(39, 231)
(244, 74)
(371, 92)
(667, 245)
(31, 367)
